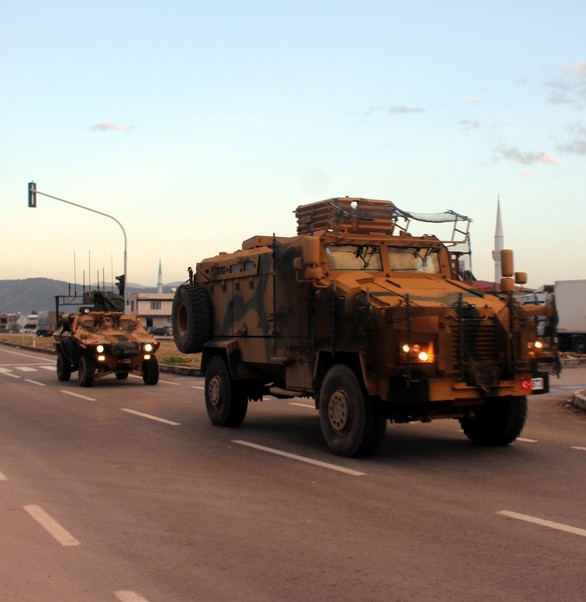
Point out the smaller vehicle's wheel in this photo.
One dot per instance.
(87, 371)
(150, 371)
(63, 367)
(121, 375)
(226, 402)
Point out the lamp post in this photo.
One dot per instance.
(32, 202)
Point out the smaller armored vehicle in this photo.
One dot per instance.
(100, 339)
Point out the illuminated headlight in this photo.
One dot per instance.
(536, 346)
(148, 348)
(101, 358)
(147, 357)
(100, 349)
(419, 352)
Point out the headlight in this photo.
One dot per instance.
(422, 353)
(536, 347)
(100, 349)
(148, 348)
(101, 358)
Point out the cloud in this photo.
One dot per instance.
(530, 158)
(577, 145)
(395, 110)
(468, 124)
(571, 88)
(399, 110)
(108, 126)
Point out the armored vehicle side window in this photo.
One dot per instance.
(411, 259)
(354, 257)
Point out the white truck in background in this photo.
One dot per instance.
(569, 300)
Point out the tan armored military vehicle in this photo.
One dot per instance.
(99, 339)
(374, 323)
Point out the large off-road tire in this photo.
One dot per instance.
(63, 367)
(191, 318)
(87, 371)
(150, 371)
(226, 402)
(498, 422)
(352, 423)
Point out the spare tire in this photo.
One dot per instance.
(191, 318)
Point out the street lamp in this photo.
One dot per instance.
(32, 202)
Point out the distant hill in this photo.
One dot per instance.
(38, 294)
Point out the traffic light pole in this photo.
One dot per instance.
(32, 202)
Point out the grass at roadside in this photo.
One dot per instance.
(168, 354)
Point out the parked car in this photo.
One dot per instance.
(163, 331)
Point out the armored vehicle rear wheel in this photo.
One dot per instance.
(498, 422)
(87, 371)
(150, 371)
(226, 402)
(351, 422)
(191, 318)
(63, 367)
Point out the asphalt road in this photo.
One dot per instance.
(127, 492)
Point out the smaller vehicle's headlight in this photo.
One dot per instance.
(101, 358)
(100, 349)
(148, 347)
(147, 357)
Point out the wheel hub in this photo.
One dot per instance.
(215, 391)
(339, 411)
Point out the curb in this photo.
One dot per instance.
(579, 400)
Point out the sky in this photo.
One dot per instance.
(196, 125)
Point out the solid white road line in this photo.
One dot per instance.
(3, 477)
(302, 405)
(278, 452)
(198, 387)
(527, 440)
(52, 526)
(129, 596)
(26, 369)
(544, 523)
(78, 395)
(34, 382)
(48, 367)
(8, 373)
(156, 418)
(578, 448)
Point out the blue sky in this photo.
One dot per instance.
(198, 125)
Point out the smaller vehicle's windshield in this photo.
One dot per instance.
(414, 259)
(354, 257)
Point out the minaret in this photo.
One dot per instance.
(499, 243)
(160, 279)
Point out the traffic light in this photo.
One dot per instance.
(121, 284)
(32, 194)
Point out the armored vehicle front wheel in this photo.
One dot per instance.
(226, 402)
(63, 367)
(87, 371)
(498, 422)
(150, 371)
(352, 423)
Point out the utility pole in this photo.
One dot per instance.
(32, 202)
